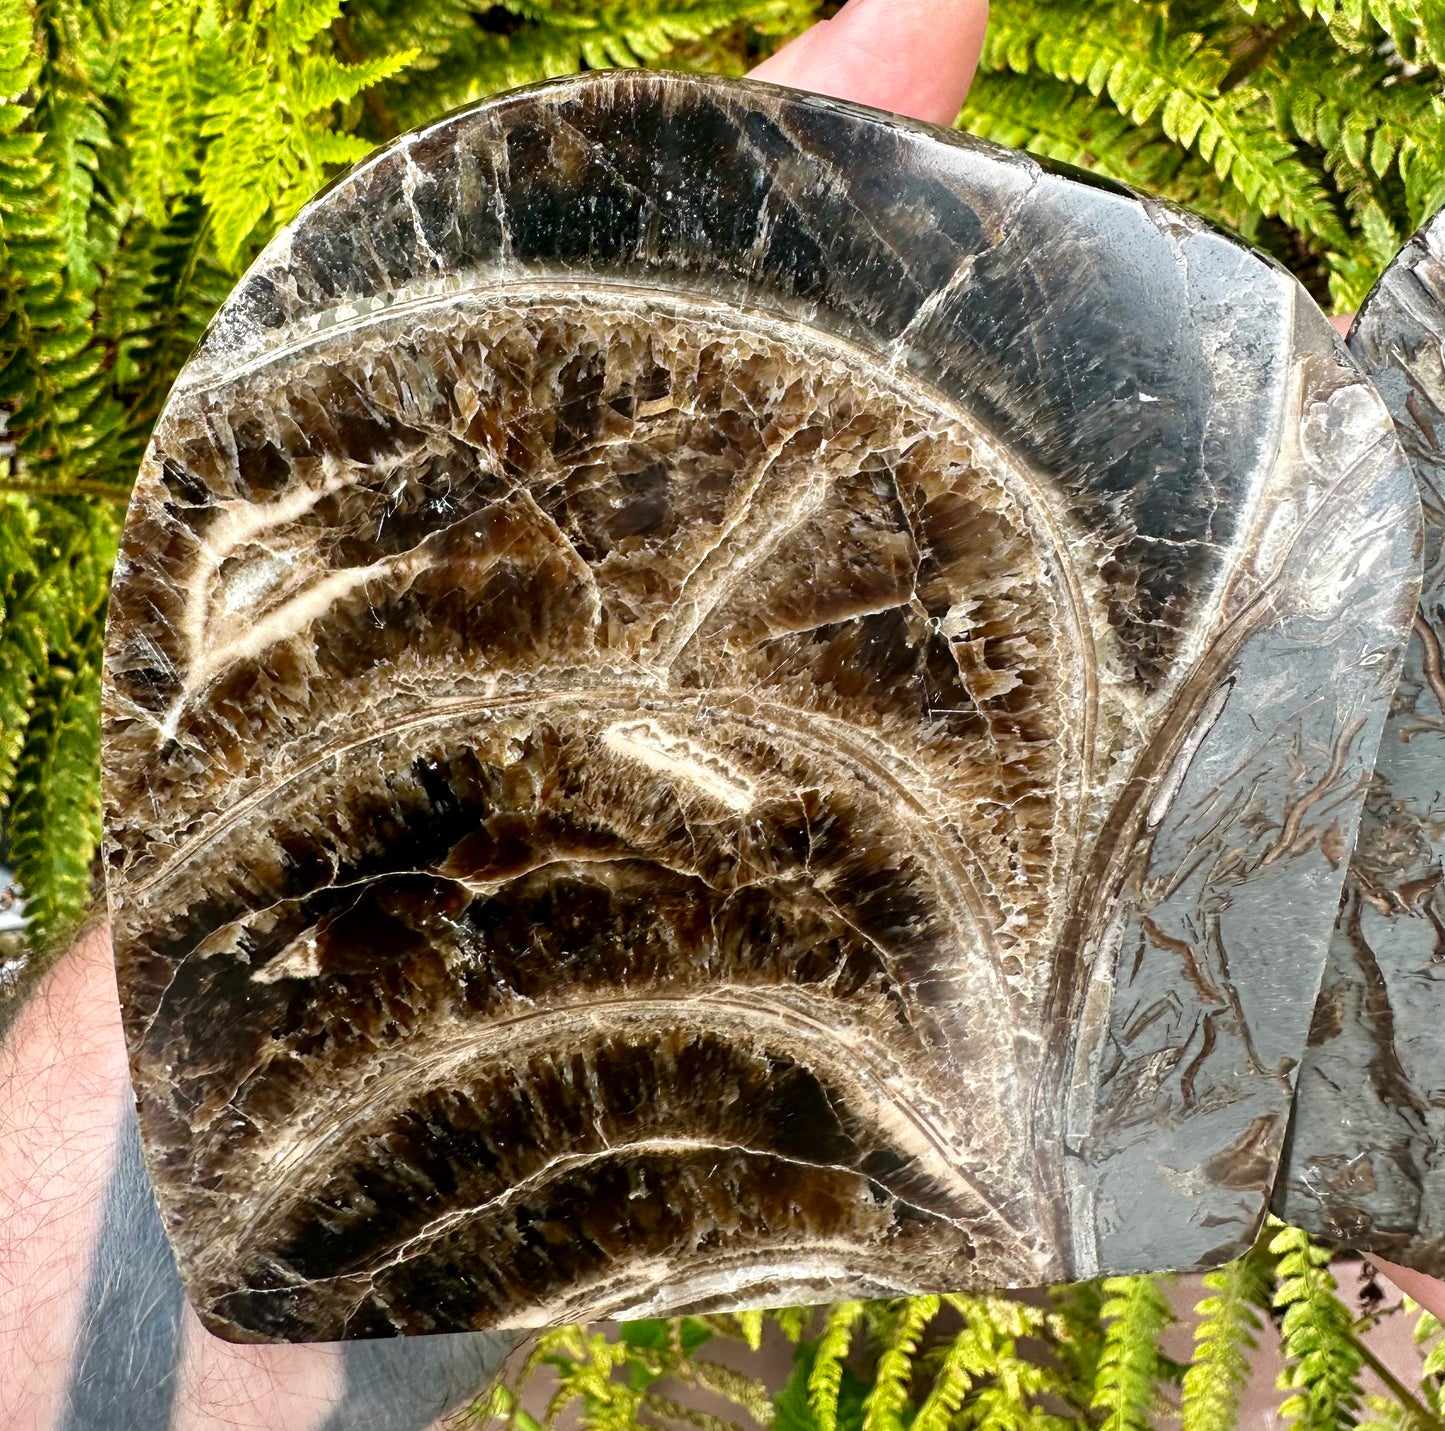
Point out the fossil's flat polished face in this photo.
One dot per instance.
(713, 700)
(1365, 1162)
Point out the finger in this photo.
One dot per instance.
(1342, 323)
(914, 57)
(1428, 1291)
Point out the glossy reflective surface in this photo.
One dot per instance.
(714, 699)
(1365, 1164)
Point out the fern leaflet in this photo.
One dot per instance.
(1322, 1371)
(1224, 1336)
(1131, 1363)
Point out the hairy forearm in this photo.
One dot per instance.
(95, 1333)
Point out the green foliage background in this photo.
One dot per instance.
(147, 150)
(1087, 1357)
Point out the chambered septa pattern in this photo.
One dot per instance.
(714, 699)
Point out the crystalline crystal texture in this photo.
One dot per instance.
(1365, 1161)
(716, 699)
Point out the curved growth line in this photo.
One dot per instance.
(420, 1243)
(1109, 859)
(433, 715)
(780, 323)
(853, 752)
(841, 744)
(856, 749)
(845, 742)
(1111, 851)
(511, 1036)
(673, 1286)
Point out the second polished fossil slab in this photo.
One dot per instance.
(1365, 1163)
(716, 699)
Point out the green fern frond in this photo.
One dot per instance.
(1131, 1362)
(61, 425)
(883, 1409)
(60, 420)
(1422, 164)
(587, 1381)
(441, 31)
(55, 795)
(1224, 1336)
(163, 288)
(826, 1377)
(74, 114)
(1429, 1336)
(175, 53)
(675, 1413)
(1149, 72)
(1387, 1415)
(1060, 121)
(19, 60)
(996, 1386)
(748, 1392)
(609, 1383)
(295, 23)
(1322, 1370)
(964, 1359)
(268, 128)
(55, 804)
(793, 1322)
(462, 61)
(22, 631)
(501, 1404)
(1415, 27)
(1076, 1329)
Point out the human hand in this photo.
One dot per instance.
(1428, 1291)
(94, 1332)
(911, 58)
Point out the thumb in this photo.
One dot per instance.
(914, 57)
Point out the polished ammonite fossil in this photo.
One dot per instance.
(713, 699)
